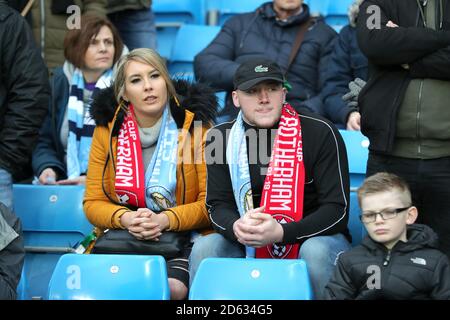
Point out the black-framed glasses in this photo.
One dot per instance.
(386, 214)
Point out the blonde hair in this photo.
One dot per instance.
(146, 56)
(383, 182)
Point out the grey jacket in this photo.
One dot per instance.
(12, 253)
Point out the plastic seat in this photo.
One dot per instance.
(358, 152)
(109, 277)
(219, 11)
(251, 279)
(334, 11)
(355, 226)
(53, 223)
(170, 15)
(187, 46)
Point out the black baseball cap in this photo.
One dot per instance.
(252, 72)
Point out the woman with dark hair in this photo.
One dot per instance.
(146, 170)
(61, 155)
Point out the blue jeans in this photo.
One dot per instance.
(136, 27)
(320, 254)
(6, 195)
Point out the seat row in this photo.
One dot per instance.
(54, 223)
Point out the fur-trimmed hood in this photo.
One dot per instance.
(194, 97)
(353, 12)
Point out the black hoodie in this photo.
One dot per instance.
(410, 270)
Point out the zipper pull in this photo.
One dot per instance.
(387, 259)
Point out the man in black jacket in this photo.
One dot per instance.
(24, 98)
(398, 259)
(271, 32)
(404, 106)
(322, 232)
(12, 253)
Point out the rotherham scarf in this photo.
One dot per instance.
(154, 188)
(81, 124)
(283, 190)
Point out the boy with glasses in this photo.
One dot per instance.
(398, 259)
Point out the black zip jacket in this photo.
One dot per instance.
(24, 92)
(326, 195)
(410, 270)
(426, 51)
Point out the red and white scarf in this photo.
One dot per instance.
(130, 172)
(283, 189)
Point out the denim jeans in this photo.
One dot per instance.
(429, 181)
(320, 254)
(136, 27)
(6, 183)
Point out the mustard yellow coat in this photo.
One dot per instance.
(190, 212)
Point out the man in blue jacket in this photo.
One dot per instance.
(270, 32)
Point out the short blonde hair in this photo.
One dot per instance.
(383, 182)
(147, 56)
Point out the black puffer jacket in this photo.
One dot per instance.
(411, 270)
(260, 34)
(24, 92)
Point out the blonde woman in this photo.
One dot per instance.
(146, 172)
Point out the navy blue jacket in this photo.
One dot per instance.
(347, 62)
(49, 152)
(260, 34)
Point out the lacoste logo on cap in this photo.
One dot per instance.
(260, 68)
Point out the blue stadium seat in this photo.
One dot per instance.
(109, 277)
(21, 286)
(358, 152)
(251, 279)
(220, 11)
(51, 215)
(53, 223)
(186, 47)
(170, 15)
(355, 226)
(334, 11)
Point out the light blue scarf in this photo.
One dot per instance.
(81, 124)
(161, 173)
(237, 160)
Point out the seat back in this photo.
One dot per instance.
(53, 223)
(219, 11)
(51, 215)
(189, 41)
(357, 146)
(251, 279)
(170, 15)
(109, 277)
(334, 11)
(355, 226)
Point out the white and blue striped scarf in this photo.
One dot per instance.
(237, 160)
(161, 173)
(81, 125)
